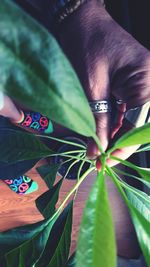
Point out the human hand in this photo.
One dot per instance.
(109, 63)
(8, 108)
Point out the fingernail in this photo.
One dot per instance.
(98, 165)
(21, 117)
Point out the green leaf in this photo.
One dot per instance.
(132, 176)
(96, 244)
(142, 227)
(35, 71)
(144, 172)
(15, 237)
(47, 201)
(142, 195)
(141, 224)
(138, 202)
(57, 249)
(21, 146)
(140, 135)
(28, 253)
(48, 173)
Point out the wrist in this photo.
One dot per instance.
(68, 10)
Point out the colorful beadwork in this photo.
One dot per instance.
(22, 185)
(37, 122)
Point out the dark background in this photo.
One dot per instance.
(134, 16)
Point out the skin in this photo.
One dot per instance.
(10, 110)
(109, 63)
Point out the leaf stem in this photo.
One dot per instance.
(61, 140)
(69, 152)
(74, 188)
(116, 170)
(130, 188)
(116, 182)
(68, 156)
(78, 177)
(125, 162)
(69, 168)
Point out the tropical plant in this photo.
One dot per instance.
(35, 72)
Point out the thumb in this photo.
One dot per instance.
(8, 108)
(103, 133)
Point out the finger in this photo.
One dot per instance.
(8, 109)
(103, 133)
(121, 109)
(122, 154)
(133, 118)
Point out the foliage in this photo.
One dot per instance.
(35, 71)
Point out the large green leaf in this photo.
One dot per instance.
(47, 201)
(96, 244)
(21, 146)
(116, 170)
(57, 249)
(144, 172)
(15, 237)
(139, 203)
(48, 173)
(35, 71)
(140, 194)
(137, 136)
(28, 253)
(142, 227)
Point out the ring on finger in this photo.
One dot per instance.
(100, 106)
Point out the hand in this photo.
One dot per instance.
(8, 109)
(109, 63)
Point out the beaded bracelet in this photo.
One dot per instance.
(61, 9)
(69, 9)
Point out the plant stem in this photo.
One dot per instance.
(132, 189)
(78, 177)
(103, 160)
(127, 163)
(61, 140)
(65, 161)
(74, 188)
(69, 152)
(116, 182)
(68, 156)
(132, 176)
(69, 168)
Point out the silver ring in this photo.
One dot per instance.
(100, 106)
